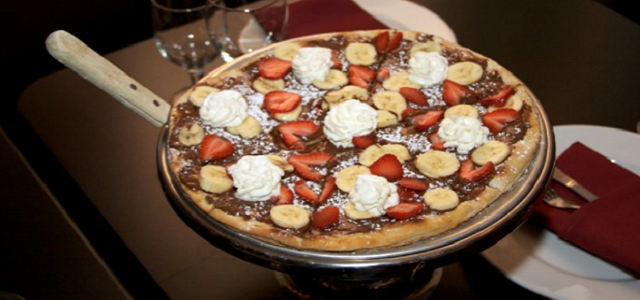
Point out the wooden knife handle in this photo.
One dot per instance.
(76, 55)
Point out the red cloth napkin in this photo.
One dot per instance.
(608, 227)
(321, 16)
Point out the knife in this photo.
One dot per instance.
(570, 183)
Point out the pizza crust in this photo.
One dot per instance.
(396, 234)
(399, 232)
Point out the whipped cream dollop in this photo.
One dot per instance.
(374, 194)
(256, 178)
(347, 120)
(464, 133)
(224, 108)
(428, 68)
(311, 63)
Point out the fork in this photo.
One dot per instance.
(552, 198)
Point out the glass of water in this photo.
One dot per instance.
(242, 26)
(181, 34)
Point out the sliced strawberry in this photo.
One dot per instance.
(335, 58)
(424, 121)
(292, 131)
(387, 166)
(313, 158)
(304, 191)
(413, 184)
(364, 141)
(327, 190)
(414, 95)
(215, 147)
(381, 41)
(325, 218)
(273, 68)
(409, 112)
(499, 99)
(469, 173)
(436, 141)
(383, 74)
(498, 119)
(281, 102)
(405, 210)
(361, 76)
(285, 197)
(306, 172)
(455, 94)
(407, 195)
(394, 42)
(302, 162)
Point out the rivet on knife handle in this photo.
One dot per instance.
(570, 183)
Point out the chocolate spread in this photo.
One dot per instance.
(269, 141)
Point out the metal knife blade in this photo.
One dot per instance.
(570, 183)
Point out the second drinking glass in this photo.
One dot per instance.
(242, 26)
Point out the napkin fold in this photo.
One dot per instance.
(608, 227)
(321, 16)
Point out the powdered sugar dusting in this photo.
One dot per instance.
(346, 160)
(415, 143)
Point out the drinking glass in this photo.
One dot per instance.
(242, 26)
(181, 34)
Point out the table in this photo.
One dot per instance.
(578, 57)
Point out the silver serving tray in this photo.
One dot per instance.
(482, 231)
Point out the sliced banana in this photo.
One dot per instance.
(286, 51)
(201, 92)
(491, 151)
(290, 115)
(391, 101)
(336, 97)
(280, 162)
(214, 179)
(514, 102)
(386, 119)
(400, 151)
(346, 178)
(334, 79)
(437, 164)
(464, 110)
(507, 77)
(191, 135)
(352, 213)
(370, 155)
(361, 54)
(399, 80)
(263, 85)
(250, 127)
(429, 46)
(465, 73)
(289, 216)
(441, 199)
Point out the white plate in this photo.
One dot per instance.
(537, 260)
(405, 15)
(399, 15)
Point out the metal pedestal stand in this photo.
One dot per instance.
(416, 286)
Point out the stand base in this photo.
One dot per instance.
(420, 285)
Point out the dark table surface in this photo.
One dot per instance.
(577, 56)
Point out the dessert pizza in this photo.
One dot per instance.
(353, 140)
